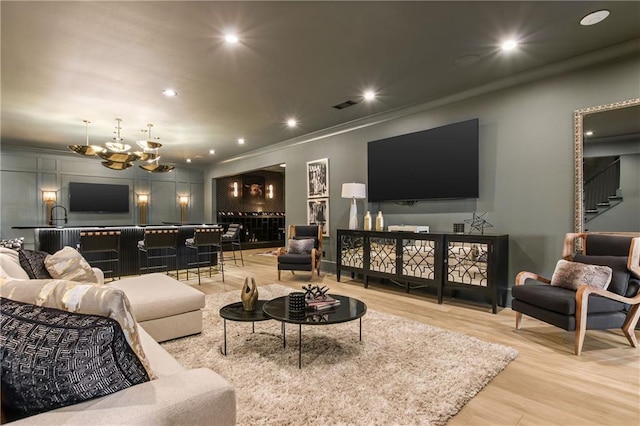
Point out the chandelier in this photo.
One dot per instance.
(117, 155)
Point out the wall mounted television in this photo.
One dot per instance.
(98, 198)
(439, 163)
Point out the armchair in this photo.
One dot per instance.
(298, 257)
(588, 307)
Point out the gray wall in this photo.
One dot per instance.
(526, 159)
(25, 173)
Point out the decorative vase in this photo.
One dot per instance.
(296, 302)
(379, 222)
(367, 221)
(249, 295)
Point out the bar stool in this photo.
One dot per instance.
(158, 244)
(101, 248)
(232, 236)
(206, 242)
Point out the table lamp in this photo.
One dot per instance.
(353, 191)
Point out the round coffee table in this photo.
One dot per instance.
(350, 309)
(236, 312)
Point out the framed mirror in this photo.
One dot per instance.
(607, 167)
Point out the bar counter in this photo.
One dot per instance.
(52, 238)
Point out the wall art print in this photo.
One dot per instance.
(318, 178)
(318, 214)
(253, 190)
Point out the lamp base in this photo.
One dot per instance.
(353, 215)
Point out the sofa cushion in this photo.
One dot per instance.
(294, 259)
(561, 300)
(68, 264)
(33, 263)
(10, 265)
(82, 298)
(53, 358)
(301, 246)
(158, 295)
(572, 275)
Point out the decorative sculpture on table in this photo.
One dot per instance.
(314, 292)
(478, 223)
(249, 295)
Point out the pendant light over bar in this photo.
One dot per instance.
(86, 150)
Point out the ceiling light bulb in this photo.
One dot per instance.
(369, 95)
(212, 151)
(509, 45)
(170, 93)
(231, 38)
(292, 122)
(594, 18)
(589, 133)
(188, 160)
(241, 141)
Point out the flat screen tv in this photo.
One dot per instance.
(437, 163)
(97, 197)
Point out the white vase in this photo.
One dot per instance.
(379, 222)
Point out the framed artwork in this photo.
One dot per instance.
(318, 214)
(318, 178)
(253, 190)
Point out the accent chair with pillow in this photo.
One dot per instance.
(598, 289)
(304, 250)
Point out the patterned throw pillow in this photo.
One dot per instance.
(302, 246)
(33, 263)
(53, 358)
(573, 274)
(84, 298)
(68, 264)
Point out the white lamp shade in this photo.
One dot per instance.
(354, 190)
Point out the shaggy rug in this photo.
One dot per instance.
(402, 372)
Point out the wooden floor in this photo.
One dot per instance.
(546, 385)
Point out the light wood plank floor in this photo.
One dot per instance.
(546, 385)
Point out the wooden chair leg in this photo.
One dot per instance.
(582, 302)
(518, 320)
(278, 274)
(629, 326)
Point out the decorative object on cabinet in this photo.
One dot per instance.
(446, 262)
(367, 222)
(379, 222)
(458, 228)
(318, 214)
(478, 223)
(353, 191)
(318, 178)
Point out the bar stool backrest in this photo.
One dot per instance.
(207, 236)
(160, 238)
(233, 232)
(99, 241)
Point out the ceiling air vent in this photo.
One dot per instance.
(345, 104)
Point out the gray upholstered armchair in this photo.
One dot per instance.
(588, 307)
(304, 250)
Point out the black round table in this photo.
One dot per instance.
(236, 312)
(350, 309)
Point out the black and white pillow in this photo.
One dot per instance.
(301, 246)
(33, 263)
(52, 358)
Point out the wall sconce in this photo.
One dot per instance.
(235, 189)
(143, 202)
(184, 202)
(269, 191)
(49, 198)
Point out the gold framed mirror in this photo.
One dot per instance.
(629, 131)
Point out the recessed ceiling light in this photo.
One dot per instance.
(369, 95)
(231, 38)
(188, 160)
(588, 133)
(594, 18)
(241, 141)
(212, 151)
(170, 93)
(509, 45)
(292, 122)
(283, 165)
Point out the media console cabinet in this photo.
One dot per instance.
(478, 263)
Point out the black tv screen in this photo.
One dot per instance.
(96, 197)
(432, 164)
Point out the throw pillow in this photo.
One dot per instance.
(68, 264)
(10, 264)
(81, 298)
(573, 274)
(33, 263)
(303, 246)
(53, 358)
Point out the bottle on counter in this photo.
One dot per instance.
(379, 222)
(367, 221)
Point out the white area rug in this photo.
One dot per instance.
(403, 372)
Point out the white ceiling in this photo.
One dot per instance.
(64, 62)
